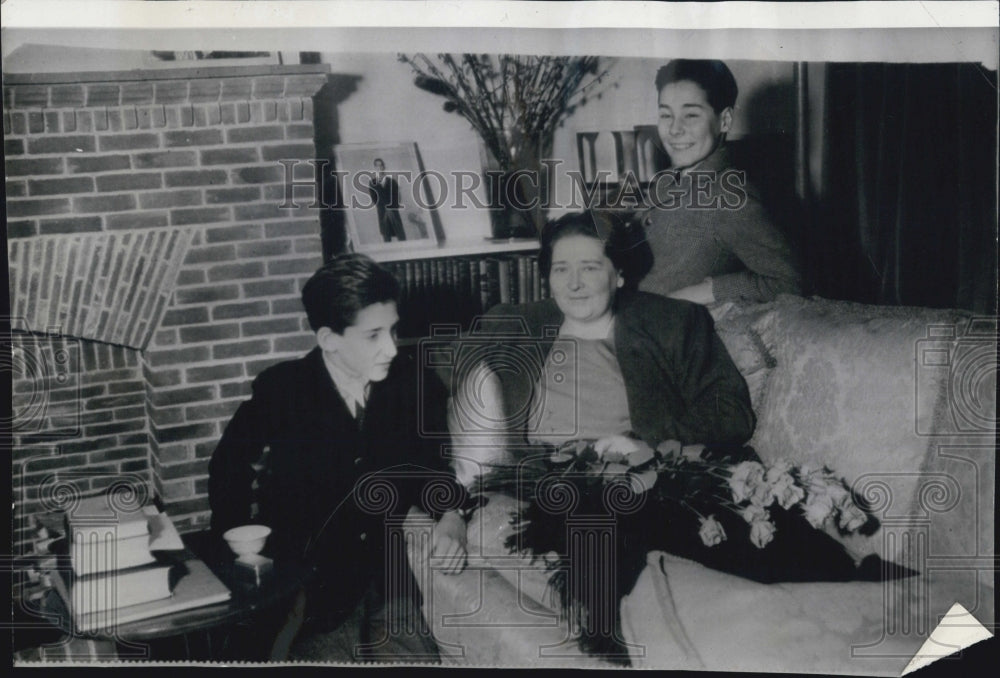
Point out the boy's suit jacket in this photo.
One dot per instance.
(327, 485)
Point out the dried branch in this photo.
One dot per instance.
(513, 102)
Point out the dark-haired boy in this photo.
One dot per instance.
(344, 455)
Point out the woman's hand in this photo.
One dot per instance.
(624, 449)
(448, 542)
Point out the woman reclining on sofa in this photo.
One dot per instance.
(632, 370)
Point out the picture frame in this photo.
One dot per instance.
(390, 211)
(616, 167)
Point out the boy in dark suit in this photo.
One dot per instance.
(344, 460)
(384, 191)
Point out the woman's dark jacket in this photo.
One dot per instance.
(679, 379)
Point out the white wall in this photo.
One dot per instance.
(46, 58)
(386, 106)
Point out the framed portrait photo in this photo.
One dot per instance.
(388, 205)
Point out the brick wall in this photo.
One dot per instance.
(107, 287)
(235, 311)
(79, 420)
(154, 197)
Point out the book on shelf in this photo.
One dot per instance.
(492, 280)
(529, 285)
(503, 278)
(474, 283)
(425, 266)
(515, 293)
(522, 280)
(418, 276)
(483, 276)
(440, 266)
(462, 285)
(409, 279)
(194, 585)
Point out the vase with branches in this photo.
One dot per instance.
(514, 103)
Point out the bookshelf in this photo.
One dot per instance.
(454, 282)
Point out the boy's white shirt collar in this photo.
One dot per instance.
(353, 391)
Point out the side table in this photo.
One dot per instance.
(240, 629)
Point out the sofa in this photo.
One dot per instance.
(899, 401)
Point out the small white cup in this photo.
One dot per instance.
(247, 540)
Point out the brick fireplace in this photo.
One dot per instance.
(153, 272)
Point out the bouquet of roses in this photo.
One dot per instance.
(748, 488)
(699, 480)
(726, 493)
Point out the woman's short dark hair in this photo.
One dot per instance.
(347, 284)
(711, 75)
(624, 243)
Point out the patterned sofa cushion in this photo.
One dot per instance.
(853, 388)
(737, 327)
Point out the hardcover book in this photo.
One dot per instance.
(536, 281)
(193, 585)
(102, 555)
(118, 589)
(523, 295)
(504, 280)
(99, 514)
(483, 278)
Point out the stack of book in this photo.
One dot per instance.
(462, 287)
(113, 576)
(102, 540)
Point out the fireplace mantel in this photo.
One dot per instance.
(153, 271)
